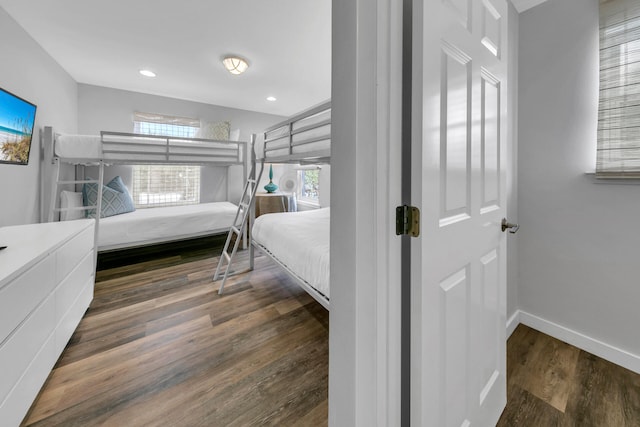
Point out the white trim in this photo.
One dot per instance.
(522, 5)
(601, 349)
(615, 181)
(364, 367)
(512, 323)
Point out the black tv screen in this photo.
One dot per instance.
(17, 118)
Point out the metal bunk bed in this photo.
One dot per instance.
(117, 148)
(304, 138)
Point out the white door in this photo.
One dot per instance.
(458, 268)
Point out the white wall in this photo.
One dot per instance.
(29, 72)
(102, 108)
(578, 242)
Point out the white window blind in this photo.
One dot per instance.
(619, 107)
(165, 185)
(160, 124)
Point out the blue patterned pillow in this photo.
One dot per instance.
(115, 198)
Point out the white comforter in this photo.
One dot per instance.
(300, 241)
(145, 226)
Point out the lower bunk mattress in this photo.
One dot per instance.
(299, 241)
(156, 225)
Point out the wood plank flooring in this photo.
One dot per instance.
(160, 347)
(551, 383)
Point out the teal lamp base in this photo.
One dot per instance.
(271, 187)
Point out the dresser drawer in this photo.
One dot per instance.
(67, 292)
(25, 293)
(21, 348)
(69, 255)
(70, 320)
(17, 403)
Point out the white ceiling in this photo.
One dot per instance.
(105, 43)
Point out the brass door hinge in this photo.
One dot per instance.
(408, 220)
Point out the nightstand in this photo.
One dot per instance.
(270, 203)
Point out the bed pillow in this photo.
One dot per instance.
(219, 131)
(116, 199)
(70, 199)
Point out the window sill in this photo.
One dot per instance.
(611, 181)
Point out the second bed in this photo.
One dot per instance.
(299, 241)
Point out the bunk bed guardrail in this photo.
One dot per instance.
(302, 138)
(120, 146)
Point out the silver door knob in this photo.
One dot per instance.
(513, 228)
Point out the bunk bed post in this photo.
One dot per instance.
(46, 210)
(245, 164)
(53, 192)
(245, 161)
(45, 171)
(98, 214)
(252, 205)
(290, 140)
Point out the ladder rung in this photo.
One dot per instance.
(226, 256)
(253, 181)
(235, 230)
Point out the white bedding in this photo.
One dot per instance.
(78, 147)
(300, 241)
(153, 225)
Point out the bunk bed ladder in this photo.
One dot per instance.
(245, 207)
(56, 184)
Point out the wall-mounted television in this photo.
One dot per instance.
(17, 118)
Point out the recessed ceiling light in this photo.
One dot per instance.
(271, 98)
(234, 64)
(147, 73)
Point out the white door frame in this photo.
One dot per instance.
(364, 343)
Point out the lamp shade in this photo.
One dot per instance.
(235, 64)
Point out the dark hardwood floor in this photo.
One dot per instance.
(160, 347)
(551, 383)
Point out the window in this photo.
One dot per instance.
(165, 185)
(159, 124)
(619, 108)
(309, 186)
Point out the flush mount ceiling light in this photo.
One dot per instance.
(271, 98)
(147, 73)
(235, 64)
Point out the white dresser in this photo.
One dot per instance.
(46, 284)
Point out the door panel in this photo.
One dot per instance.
(458, 268)
(491, 28)
(461, 9)
(456, 135)
(456, 302)
(490, 143)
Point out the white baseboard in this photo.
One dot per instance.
(601, 349)
(513, 322)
